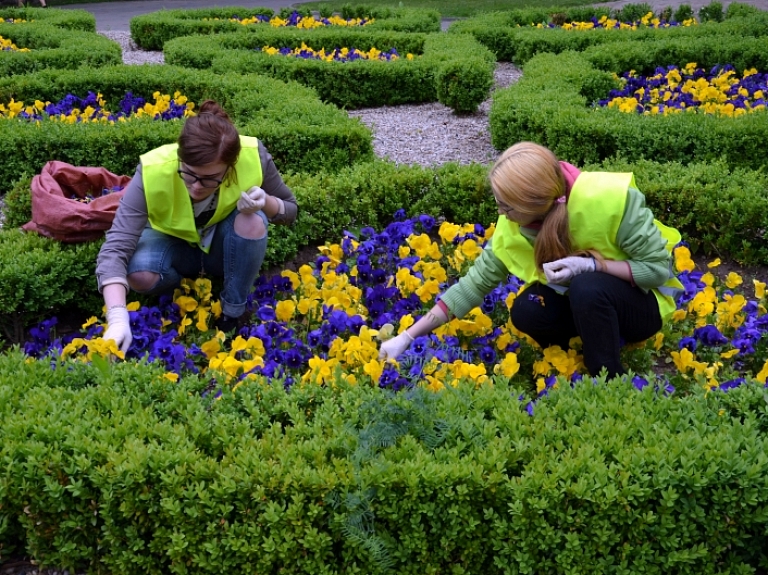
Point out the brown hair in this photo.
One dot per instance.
(210, 137)
(528, 176)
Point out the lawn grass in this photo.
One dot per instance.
(447, 9)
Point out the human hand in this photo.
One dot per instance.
(392, 348)
(119, 327)
(252, 200)
(562, 271)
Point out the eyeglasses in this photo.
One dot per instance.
(503, 207)
(205, 181)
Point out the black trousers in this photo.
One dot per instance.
(600, 308)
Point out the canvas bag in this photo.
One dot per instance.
(74, 204)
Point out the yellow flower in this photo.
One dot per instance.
(90, 321)
(508, 366)
(733, 280)
(683, 261)
(211, 347)
(173, 377)
(284, 310)
(762, 375)
(759, 289)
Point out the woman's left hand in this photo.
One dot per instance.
(252, 201)
(562, 270)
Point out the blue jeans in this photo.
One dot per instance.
(236, 259)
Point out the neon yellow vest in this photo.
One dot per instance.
(168, 203)
(595, 210)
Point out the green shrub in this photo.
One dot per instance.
(456, 70)
(152, 31)
(510, 36)
(110, 467)
(712, 12)
(300, 132)
(552, 105)
(52, 47)
(81, 20)
(40, 277)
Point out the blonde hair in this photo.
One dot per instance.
(529, 177)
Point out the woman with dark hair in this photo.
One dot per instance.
(595, 261)
(201, 205)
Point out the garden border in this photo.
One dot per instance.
(151, 31)
(70, 19)
(453, 69)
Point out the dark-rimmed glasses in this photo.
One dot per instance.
(205, 181)
(503, 207)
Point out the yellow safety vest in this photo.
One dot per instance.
(168, 203)
(595, 211)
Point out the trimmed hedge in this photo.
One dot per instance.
(152, 31)
(81, 20)
(299, 131)
(718, 210)
(111, 468)
(52, 47)
(511, 38)
(453, 69)
(551, 105)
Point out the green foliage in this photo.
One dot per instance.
(552, 105)
(112, 468)
(152, 31)
(456, 70)
(300, 132)
(510, 36)
(18, 203)
(53, 47)
(81, 20)
(712, 12)
(40, 276)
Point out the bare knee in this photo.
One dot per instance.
(250, 226)
(143, 281)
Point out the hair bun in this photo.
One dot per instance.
(212, 107)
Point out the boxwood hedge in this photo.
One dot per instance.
(111, 468)
(511, 38)
(70, 19)
(299, 131)
(552, 105)
(53, 47)
(453, 69)
(151, 31)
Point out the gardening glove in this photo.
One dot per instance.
(562, 271)
(392, 348)
(252, 200)
(119, 327)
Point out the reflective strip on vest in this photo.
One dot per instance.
(595, 210)
(169, 206)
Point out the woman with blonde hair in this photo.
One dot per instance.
(595, 261)
(201, 205)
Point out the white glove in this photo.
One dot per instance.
(562, 271)
(252, 200)
(119, 327)
(392, 348)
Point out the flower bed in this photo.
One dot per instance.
(673, 90)
(605, 23)
(511, 36)
(553, 104)
(296, 20)
(299, 131)
(79, 19)
(152, 31)
(7, 45)
(326, 322)
(337, 54)
(454, 70)
(72, 109)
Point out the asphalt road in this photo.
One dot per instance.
(112, 16)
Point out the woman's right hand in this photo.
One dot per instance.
(393, 348)
(119, 327)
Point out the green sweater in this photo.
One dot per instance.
(638, 237)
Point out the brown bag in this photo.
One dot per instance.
(74, 204)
